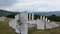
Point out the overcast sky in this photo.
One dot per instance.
(30, 5)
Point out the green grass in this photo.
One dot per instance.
(48, 31)
(4, 27)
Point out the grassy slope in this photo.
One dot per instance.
(4, 28)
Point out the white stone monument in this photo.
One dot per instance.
(41, 17)
(29, 16)
(24, 20)
(40, 24)
(32, 16)
(46, 19)
(20, 23)
(22, 26)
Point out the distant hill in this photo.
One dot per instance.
(5, 13)
(39, 13)
(57, 13)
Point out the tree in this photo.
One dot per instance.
(36, 16)
(11, 16)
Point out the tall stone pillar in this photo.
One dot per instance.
(29, 16)
(23, 23)
(32, 16)
(41, 17)
(46, 19)
(44, 22)
(24, 30)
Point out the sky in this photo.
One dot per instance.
(30, 5)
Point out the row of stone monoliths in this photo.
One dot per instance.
(31, 16)
(44, 18)
(44, 23)
(40, 17)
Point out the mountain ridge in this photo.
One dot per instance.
(5, 12)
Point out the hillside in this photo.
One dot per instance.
(5, 13)
(57, 13)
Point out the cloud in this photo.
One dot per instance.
(30, 5)
(7, 3)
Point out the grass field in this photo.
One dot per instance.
(48, 31)
(5, 29)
